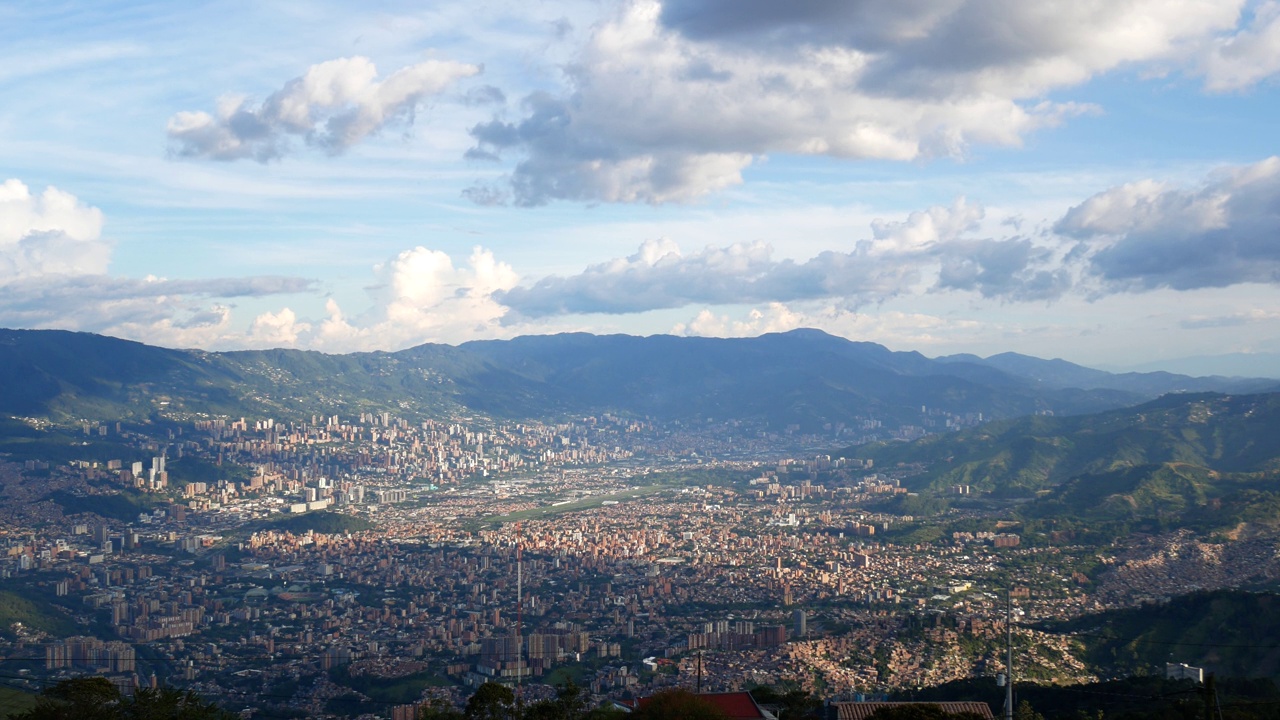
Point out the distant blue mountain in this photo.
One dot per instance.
(1058, 373)
(804, 377)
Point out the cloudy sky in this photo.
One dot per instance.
(1094, 180)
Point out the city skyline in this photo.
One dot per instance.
(1093, 183)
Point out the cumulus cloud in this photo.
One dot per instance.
(1147, 234)
(333, 106)
(932, 245)
(668, 101)
(776, 317)
(659, 275)
(893, 328)
(1244, 58)
(106, 304)
(278, 329)
(53, 274)
(1014, 269)
(48, 233)
(420, 296)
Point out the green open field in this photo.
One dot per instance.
(15, 702)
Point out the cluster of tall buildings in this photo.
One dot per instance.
(91, 654)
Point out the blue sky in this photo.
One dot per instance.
(1094, 181)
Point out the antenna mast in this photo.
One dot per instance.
(1008, 660)
(519, 610)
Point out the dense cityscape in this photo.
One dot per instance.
(370, 565)
(639, 360)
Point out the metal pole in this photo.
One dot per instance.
(519, 611)
(1008, 660)
(1210, 691)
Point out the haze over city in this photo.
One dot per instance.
(1093, 182)
(603, 359)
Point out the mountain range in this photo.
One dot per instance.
(1205, 461)
(803, 377)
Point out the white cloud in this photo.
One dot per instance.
(1237, 319)
(1243, 59)
(933, 248)
(199, 328)
(334, 105)
(48, 233)
(924, 229)
(421, 296)
(670, 101)
(891, 328)
(1146, 234)
(776, 317)
(53, 264)
(167, 312)
(53, 274)
(279, 329)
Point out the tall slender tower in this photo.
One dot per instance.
(1008, 659)
(519, 610)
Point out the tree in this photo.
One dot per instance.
(95, 698)
(169, 703)
(678, 705)
(795, 703)
(92, 698)
(439, 709)
(1026, 712)
(569, 704)
(491, 701)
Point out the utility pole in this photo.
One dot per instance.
(1210, 693)
(519, 613)
(1008, 658)
(699, 672)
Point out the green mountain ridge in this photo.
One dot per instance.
(1226, 632)
(1207, 462)
(803, 377)
(1222, 433)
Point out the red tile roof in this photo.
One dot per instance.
(863, 710)
(737, 705)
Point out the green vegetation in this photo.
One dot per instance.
(56, 446)
(1206, 462)
(17, 606)
(1228, 632)
(14, 702)
(394, 691)
(1221, 433)
(804, 378)
(96, 698)
(1134, 698)
(192, 469)
(794, 702)
(347, 705)
(320, 521)
(124, 505)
